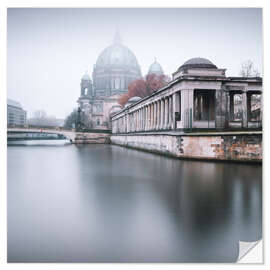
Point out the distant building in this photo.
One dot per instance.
(16, 116)
(116, 67)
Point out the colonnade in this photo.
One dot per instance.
(208, 106)
(156, 115)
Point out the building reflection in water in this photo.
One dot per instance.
(105, 203)
(155, 208)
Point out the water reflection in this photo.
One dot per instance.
(102, 203)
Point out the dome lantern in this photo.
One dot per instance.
(86, 77)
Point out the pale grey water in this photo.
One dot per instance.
(104, 203)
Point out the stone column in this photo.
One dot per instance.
(221, 116)
(145, 121)
(134, 117)
(131, 122)
(165, 113)
(149, 117)
(152, 116)
(143, 118)
(170, 112)
(248, 107)
(140, 119)
(244, 110)
(127, 122)
(155, 116)
(176, 108)
(158, 112)
(134, 121)
(231, 112)
(137, 116)
(162, 114)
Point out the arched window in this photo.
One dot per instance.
(85, 91)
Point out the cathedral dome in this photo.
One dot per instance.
(117, 55)
(198, 62)
(116, 67)
(155, 68)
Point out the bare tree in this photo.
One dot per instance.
(40, 118)
(248, 70)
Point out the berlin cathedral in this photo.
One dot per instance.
(115, 68)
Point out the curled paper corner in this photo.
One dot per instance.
(250, 252)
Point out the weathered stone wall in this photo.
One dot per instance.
(240, 147)
(88, 138)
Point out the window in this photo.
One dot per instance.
(255, 107)
(236, 110)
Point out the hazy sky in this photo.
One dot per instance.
(50, 49)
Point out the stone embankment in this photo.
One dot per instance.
(234, 146)
(88, 138)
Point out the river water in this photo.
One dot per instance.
(105, 203)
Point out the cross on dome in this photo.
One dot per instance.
(117, 37)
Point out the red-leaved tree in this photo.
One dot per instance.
(144, 87)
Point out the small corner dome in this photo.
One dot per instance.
(134, 99)
(86, 77)
(155, 68)
(198, 62)
(115, 109)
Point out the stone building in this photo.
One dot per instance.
(200, 96)
(115, 68)
(16, 115)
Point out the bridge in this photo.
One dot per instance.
(27, 134)
(78, 137)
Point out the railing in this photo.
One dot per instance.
(94, 130)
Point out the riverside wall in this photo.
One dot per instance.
(209, 146)
(89, 138)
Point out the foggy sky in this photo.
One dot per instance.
(50, 49)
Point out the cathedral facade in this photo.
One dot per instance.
(116, 67)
